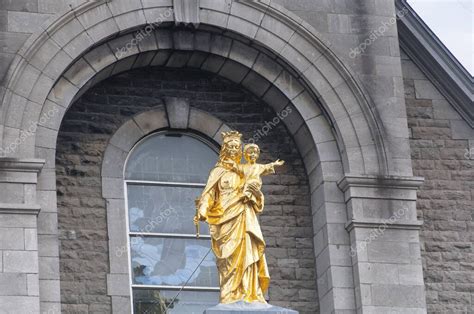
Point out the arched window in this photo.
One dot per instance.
(164, 174)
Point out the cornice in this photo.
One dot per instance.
(26, 209)
(382, 224)
(21, 165)
(391, 182)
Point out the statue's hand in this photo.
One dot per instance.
(199, 217)
(279, 162)
(254, 188)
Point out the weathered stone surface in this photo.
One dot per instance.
(441, 153)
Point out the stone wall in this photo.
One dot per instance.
(85, 131)
(442, 152)
(19, 19)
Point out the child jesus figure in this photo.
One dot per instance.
(253, 171)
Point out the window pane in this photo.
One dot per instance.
(178, 158)
(187, 302)
(171, 261)
(164, 209)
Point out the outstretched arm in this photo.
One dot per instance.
(270, 168)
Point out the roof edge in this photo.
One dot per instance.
(436, 62)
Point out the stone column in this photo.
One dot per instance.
(19, 282)
(385, 244)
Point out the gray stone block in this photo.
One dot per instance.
(124, 65)
(114, 161)
(45, 53)
(242, 307)
(164, 39)
(242, 26)
(156, 16)
(100, 57)
(243, 54)
(242, 10)
(41, 89)
(49, 268)
(57, 65)
(178, 112)
(267, 67)
(213, 63)
(20, 261)
(295, 58)
(152, 120)
(204, 122)
(20, 304)
(220, 45)
(288, 84)
(49, 290)
(124, 46)
(221, 6)
(94, 15)
(17, 221)
(47, 223)
(256, 83)
(62, 94)
(118, 7)
(79, 45)
(178, 59)
(26, 22)
(130, 19)
(32, 283)
(398, 296)
(67, 32)
(79, 73)
(16, 116)
(13, 284)
(55, 7)
(118, 284)
(28, 79)
(213, 18)
(270, 40)
(233, 71)
(48, 245)
(102, 30)
(31, 239)
(127, 136)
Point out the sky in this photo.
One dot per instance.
(453, 22)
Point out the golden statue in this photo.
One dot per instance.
(230, 203)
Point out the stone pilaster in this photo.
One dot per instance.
(385, 245)
(19, 273)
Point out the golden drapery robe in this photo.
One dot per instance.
(236, 237)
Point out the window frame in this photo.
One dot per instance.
(129, 234)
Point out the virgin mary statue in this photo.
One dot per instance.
(236, 237)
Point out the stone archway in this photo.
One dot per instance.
(336, 129)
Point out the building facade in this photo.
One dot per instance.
(111, 117)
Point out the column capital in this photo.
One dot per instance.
(380, 187)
